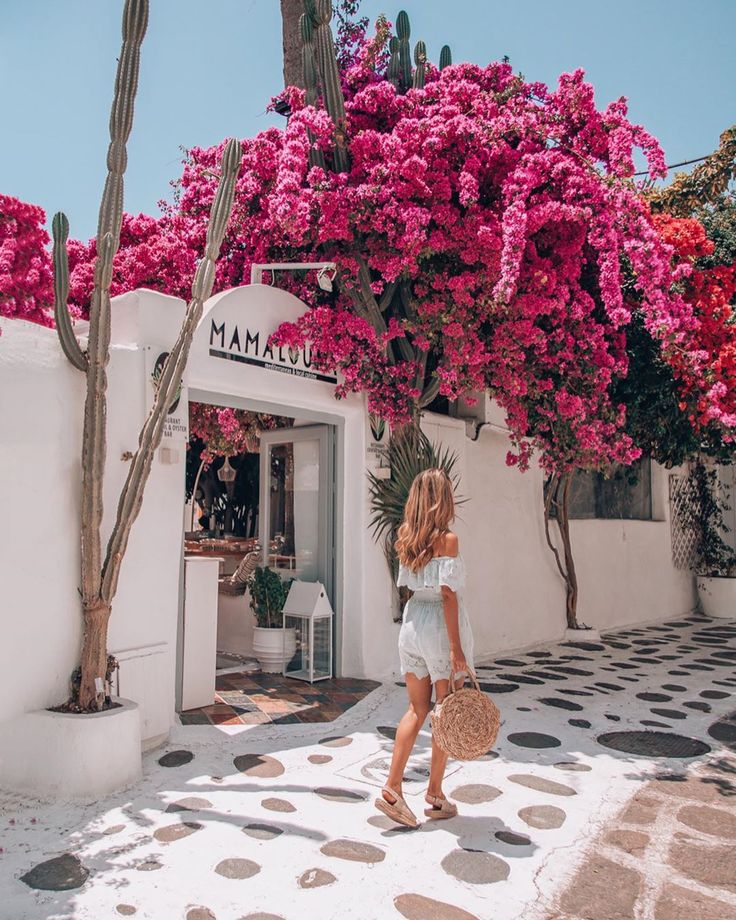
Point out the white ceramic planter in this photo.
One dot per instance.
(60, 755)
(717, 596)
(273, 647)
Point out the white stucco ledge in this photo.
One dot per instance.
(64, 756)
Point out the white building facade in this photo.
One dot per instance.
(515, 595)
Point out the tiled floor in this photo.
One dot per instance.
(256, 699)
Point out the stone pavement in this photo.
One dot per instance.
(610, 795)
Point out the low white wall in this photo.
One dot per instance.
(41, 404)
(62, 756)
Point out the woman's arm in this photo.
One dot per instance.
(450, 609)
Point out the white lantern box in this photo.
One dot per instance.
(308, 612)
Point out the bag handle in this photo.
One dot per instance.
(473, 678)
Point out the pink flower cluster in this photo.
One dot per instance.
(227, 432)
(156, 253)
(26, 284)
(479, 236)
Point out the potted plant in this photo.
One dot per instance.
(715, 560)
(273, 645)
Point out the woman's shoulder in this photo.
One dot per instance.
(448, 545)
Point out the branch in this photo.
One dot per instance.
(375, 317)
(387, 296)
(430, 393)
(548, 501)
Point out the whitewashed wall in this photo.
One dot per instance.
(515, 596)
(41, 399)
(41, 407)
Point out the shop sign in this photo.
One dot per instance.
(249, 344)
(238, 325)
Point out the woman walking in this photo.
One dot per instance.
(435, 639)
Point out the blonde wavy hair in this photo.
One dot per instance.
(430, 509)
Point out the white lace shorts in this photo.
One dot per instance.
(424, 646)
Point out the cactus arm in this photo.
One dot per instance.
(420, 59)
(309, 64)
(131, 496)
(309, 73)
(331, 85)
(135, 21)
(403, 31)
(392, 74)
(445, 57)
(69, 344)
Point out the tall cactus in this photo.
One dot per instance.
(445, 57)
(420, 59)
(98, 578)
(403, 31)
(94, 362)
(330, 76)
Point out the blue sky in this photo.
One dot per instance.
(209, 68)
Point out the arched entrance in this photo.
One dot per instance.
(303, 502)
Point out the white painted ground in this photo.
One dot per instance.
(114, 837)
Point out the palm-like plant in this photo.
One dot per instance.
(410, 452)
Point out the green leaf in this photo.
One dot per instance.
(410, 452)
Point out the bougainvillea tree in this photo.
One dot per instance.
(487, 231)
(26, 288)
(677, 409)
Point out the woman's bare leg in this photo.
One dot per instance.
(439, 757)
(420, 696)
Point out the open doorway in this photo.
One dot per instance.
(270, 504)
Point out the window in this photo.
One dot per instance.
(626, 494)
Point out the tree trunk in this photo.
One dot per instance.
(558, 493)
(94, 656)
(571, 582)
(291, 11)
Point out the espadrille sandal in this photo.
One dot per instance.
(398, 810)
(441, 807)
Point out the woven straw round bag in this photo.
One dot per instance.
(465, 724)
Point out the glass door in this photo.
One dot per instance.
(297, 501)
